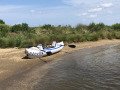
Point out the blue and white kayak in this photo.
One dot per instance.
(38, 52)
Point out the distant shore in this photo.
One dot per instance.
(12, 62)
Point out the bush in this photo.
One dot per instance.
(21, 35)
(2, 22)
(4, 29)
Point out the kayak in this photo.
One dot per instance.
(39, 51)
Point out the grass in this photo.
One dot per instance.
(47, 34)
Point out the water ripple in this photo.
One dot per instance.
(88, 69)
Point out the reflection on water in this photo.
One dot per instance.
(87, 69)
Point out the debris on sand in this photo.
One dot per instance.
(72, 45)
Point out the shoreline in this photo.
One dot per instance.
(12, 62)
(79, 46)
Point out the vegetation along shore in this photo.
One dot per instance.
(22, 35)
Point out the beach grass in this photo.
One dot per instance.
(22, 35)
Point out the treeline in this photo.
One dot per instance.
(22, 35)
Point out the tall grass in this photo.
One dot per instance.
(9, 37)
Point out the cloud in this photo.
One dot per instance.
(107, 5)
(66, 12)
(91, 9)
(93, 16)
(100, 7)
(73, 2)
(82, 14)
(77, 3)
(32, 11)
(95, 10)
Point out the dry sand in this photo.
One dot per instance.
(12, 62)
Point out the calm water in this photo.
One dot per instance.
(87, 69)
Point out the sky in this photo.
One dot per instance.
(59, 12)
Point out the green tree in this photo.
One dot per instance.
(15, 28)
(96, 27)
(4, 29)
(2, 22)
(81, 28)
(116, 26)
(20, 27)
(91, 26)
(25, 27)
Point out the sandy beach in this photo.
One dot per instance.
(12, 62)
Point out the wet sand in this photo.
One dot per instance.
(12, 62)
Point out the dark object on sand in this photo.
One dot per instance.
(25, 57)
(72, 45)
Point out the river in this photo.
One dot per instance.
(88, 69)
